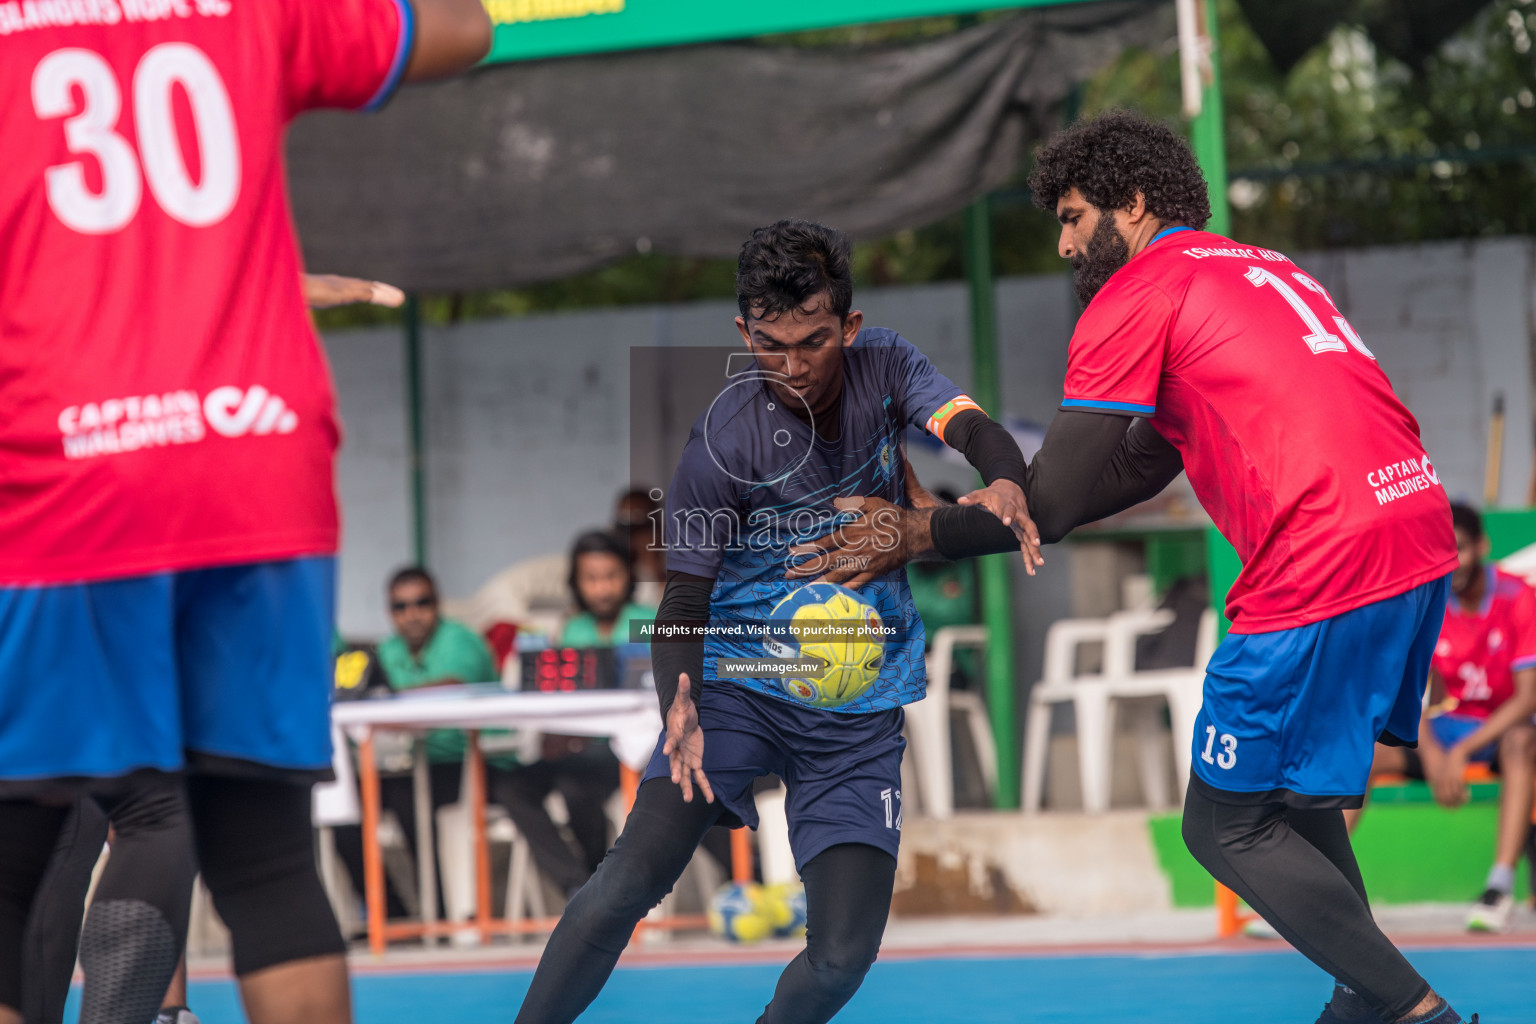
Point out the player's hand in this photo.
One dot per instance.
(1449, 781)
(872, 545)
(322, 291)
(1005, 499)
(685, 744)
(918, 496)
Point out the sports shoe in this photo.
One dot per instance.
(1491, 911)
(1351, 1009)
(1259, 928)
(1329, 1017)
(176, 1015)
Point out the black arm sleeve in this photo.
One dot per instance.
(1090, 466)
(966, 531)
(685, 602)
(986, 445)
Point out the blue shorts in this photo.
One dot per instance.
(227, 670)
(1451, 729)
(1293, 716)
(842, 773)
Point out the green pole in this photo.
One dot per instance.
(415, 430)
(1208, 132)
(1208, 135)
(995, 573)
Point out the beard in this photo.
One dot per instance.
(1106, 253)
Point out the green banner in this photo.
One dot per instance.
(529, 29)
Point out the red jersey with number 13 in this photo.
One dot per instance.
(1291, 435)
(164, 403)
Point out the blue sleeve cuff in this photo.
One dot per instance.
(402, 55)
(1099, 405)
(1521, 664)
(693, 564)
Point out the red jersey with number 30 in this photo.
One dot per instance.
(1291, 435)
(164, 403)
(1478, 654)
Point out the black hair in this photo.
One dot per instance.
(1111, 157)
(1466, 519)
(641, 495)
(785, 265)
(600, 542)
(412, 574)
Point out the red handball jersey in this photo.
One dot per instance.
(1291, 435)
(1479, 654)
(164, 402)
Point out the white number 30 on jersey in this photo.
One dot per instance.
(91, 129)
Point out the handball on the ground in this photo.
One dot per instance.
(786, 903)
(741, 912)
(837, 627)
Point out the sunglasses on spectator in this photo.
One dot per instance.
(420, 602)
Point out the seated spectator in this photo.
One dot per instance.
(427, 649)
(424, 650)
(583, 771)
(603, 588)
(1483, 694)
(636, 522)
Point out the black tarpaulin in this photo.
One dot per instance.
(526, 172)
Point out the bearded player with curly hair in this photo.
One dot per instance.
(1227, 362)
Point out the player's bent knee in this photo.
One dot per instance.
(841, 966)
(626, 887)
(256, 847)
(621, 892)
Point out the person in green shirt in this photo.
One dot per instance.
(429, 650)
(603, 587)
(425, 650)
(583, 771)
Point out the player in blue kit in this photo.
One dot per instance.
(782, 457)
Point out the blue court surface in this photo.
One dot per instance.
(1278, 987)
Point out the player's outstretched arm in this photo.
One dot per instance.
(451, 36)
(322, 291)
(1090, 466)
(678, 667)
(987, 445)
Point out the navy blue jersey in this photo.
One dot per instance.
(755, 479)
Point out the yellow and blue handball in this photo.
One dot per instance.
(747, 912)
(837, 628)
(786, 902)
(741, 912)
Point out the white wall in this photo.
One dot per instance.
(527, 439)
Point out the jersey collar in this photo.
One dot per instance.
(1165, 233)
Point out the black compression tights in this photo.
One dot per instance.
(133, 934)
(53, 928)
(848, 897)
(1297, 869)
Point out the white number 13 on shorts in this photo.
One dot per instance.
(1228, 755)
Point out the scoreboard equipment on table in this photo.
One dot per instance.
(569, 669)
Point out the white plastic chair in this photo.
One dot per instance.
(928, 722)
(1182, 688)
(1092, 699)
